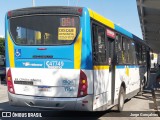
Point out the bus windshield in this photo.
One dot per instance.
(44, 29)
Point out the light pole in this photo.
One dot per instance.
(77, 2)
(33, 3)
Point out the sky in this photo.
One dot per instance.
(121, 12)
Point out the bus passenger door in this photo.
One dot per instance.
(111, 61)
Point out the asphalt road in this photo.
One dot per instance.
(136, 106)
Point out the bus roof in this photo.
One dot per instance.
(45, 10)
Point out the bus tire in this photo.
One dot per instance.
(144, 83)
(121, 99)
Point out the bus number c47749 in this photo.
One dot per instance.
(54, 64)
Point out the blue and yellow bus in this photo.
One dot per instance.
(71, 58)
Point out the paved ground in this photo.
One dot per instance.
(3, 93)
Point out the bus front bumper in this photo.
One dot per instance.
(78, 104)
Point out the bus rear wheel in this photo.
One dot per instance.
(121, 99)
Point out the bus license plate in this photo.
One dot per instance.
(44, 88)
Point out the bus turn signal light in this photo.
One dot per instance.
(83, 85)
(9, 82)
(83, 81)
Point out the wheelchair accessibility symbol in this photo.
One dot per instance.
(17, 52)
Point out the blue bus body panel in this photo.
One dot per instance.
(124, 66)
(86, 61)
(62, 54)
(123, 31)
(6, 41)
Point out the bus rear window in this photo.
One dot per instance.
(44, 29)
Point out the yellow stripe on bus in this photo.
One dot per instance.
(77, 52)
(101, 19)
(127, 71)
(100, 67)
(11, 52)
(91, 13)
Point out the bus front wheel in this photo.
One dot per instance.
(121, 99)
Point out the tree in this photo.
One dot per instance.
(2, 49)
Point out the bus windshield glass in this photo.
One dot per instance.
(44, 29)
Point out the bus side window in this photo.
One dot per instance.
(132, 53)
(127, 51)
(144, 55)
(139, 53)
(124, 51)
(95, 43)
(99, 46)
(118, 47)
